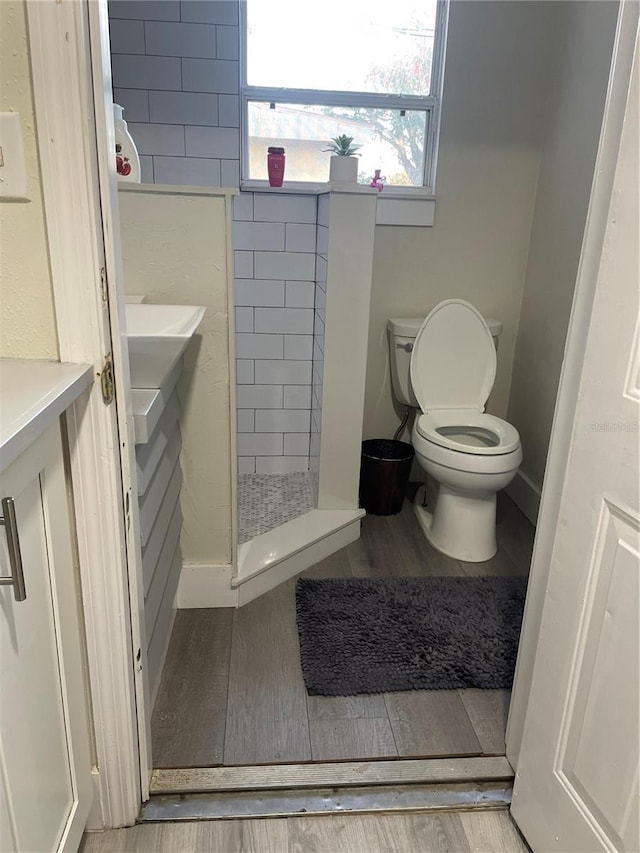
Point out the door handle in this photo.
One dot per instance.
(16, 579)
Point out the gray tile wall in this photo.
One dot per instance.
(176, 73)
(274, 238)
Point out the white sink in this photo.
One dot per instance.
(158, 335)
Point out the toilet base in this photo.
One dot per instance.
(460, 526)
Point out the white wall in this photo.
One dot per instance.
(174, 250)
(27, 322)
(496, 82)
(574, 116)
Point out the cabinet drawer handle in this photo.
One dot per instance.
(8, 521)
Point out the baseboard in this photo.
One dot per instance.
(156, 677)
(206, 585)
(95, 819)
(525, 495)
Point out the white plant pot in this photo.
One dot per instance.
(343, 170)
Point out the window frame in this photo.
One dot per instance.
(430, 104)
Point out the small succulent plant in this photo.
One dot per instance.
(342, 146)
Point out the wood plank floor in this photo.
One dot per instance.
(232, 690)
(459, 832)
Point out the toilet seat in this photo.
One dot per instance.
(453, 363)
(453, 368)
(467, 431)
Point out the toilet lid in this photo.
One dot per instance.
(453, 363)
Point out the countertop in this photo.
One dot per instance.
(33, 394)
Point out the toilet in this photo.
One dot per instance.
(445, 367)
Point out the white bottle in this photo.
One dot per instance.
(127, 160)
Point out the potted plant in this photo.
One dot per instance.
(343, 166)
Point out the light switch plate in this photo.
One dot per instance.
(13, 178)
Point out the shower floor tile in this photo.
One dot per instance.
(265, 501)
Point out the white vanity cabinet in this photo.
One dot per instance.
(45, 764)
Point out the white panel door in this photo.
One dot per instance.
(576, 786)
(44, 762)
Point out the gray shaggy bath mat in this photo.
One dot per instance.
(361, 635)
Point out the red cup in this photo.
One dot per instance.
(275, 166)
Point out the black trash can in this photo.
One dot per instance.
(384, 474)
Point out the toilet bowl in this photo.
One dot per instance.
(470, 454)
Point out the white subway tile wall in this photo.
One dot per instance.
(298, 346)
(283, 371)
(300, 294)
(275, 239)
(186, 171)
(260, 396)
(258, 292)
(295, 321)
(152, 139)
(268, 207)
(260, 444)
(176, 73)
(246, 420)
(243, 264)
(155, 10)
(297, 397)
(294, 265)
(296, 444)
(246, 464)
(146, 169)
(244, 372)
(127, 36)
(282, 420)
(219, 12)
(281, 464)
(230, 173)
(244, 319)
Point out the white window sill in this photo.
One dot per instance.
(409, 206)
(293, 187)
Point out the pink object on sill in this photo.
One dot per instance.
(378, 182)
(275, 166)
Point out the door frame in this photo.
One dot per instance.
(69, 143)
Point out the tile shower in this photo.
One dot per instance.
(280, 267)
(175, 69)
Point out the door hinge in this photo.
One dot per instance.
(103, 284)
(107, 381)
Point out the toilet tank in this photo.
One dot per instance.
(402, 333)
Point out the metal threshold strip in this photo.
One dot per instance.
(329, 788)
(319, 801)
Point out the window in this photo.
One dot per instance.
(370, 72)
